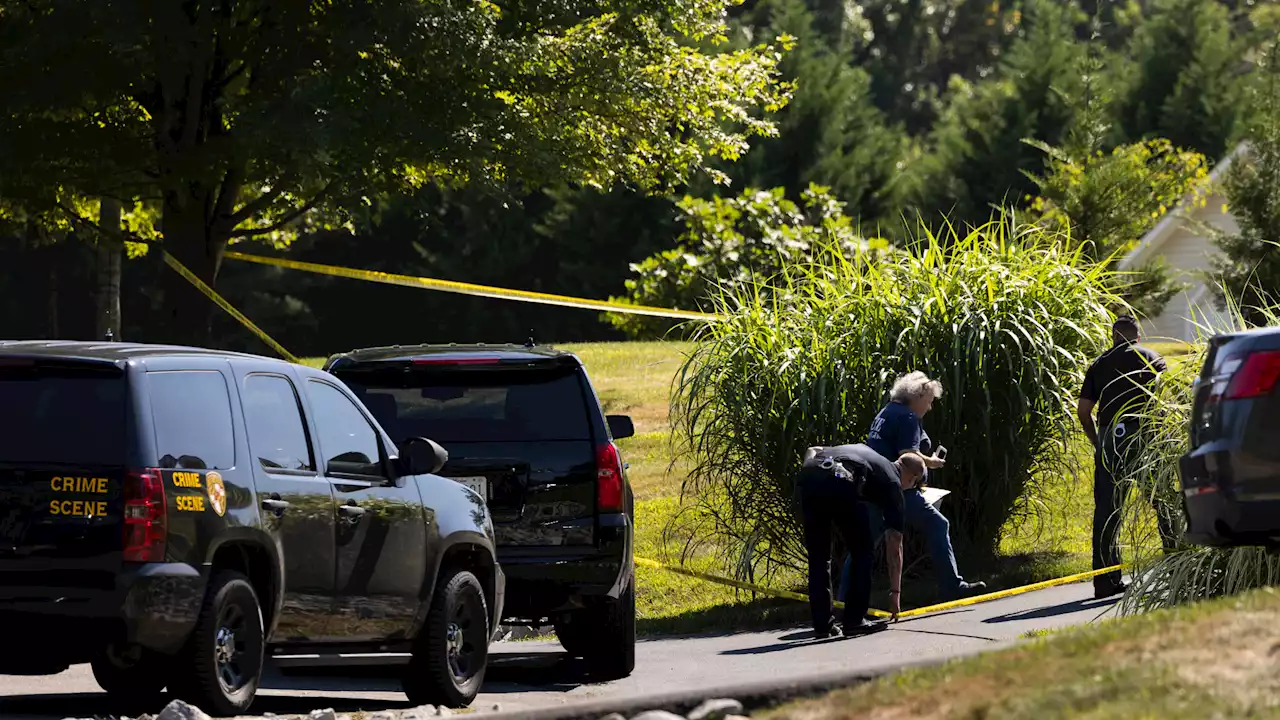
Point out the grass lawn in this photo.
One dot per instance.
(1214, 659)
(1050, 540)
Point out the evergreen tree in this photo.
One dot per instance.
(831, 134)
(914, 49)
(976, 156)
(1182, 82)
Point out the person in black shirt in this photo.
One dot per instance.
(1117, 385)
(836, 487)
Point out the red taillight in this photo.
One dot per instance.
(145, 516)
(1256, 376)
(608, 479)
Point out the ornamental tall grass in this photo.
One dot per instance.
(1002, 314)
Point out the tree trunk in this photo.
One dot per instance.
(109, 260)
(194, 238)
(40, 249)
(52, 308)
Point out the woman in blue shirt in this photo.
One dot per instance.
(897, 429)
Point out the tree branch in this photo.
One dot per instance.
(228, 190)
(123, 234)
(258, 204)
(290, 217)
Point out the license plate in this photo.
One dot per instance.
(480, 484)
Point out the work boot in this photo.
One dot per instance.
(1108, 588)
(832, 630)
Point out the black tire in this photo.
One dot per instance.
(452, 650)
(604, 635)
(132, 677)
(221, 665)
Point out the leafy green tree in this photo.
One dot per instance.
(256, 119)
(1105, 201)
(734, 243)
(1182, 82)
(1248, 273)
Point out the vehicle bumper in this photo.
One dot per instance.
(152, 605)
(543, 582)
(1224, 511)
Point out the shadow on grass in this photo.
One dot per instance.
(1010, 571)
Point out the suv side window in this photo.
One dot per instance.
(347, 439)
(273, 419)
(191, 410)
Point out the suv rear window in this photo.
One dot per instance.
(475, 406)
(192, 414)
(63, 416)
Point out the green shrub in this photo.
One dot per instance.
(1003, 316)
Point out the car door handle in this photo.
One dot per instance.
(275, 505)
(351, 511)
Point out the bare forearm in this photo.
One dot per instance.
(893, 554)
(1090, 429)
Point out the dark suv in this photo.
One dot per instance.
(524, 428)
(1231, 476)
(178, 517)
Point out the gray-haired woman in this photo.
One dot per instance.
(897, 429)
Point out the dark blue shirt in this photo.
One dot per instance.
(894, 431)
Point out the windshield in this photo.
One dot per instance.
(475, 406)
(63, 417)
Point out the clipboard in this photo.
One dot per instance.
(933, 495)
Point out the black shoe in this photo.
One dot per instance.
(1108, 589)
(833, 630)
(866, 627)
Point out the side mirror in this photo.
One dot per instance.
(620, 426)
(422, 456)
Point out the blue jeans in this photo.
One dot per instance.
(925, 519)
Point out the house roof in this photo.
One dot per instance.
(1150, 243)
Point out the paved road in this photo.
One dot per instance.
(528, 674)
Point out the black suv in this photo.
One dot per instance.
(178, 517)
(524, 427)
(1231, 476)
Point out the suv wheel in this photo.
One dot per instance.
(224, 654)
(452, 650)
(604, 634)
(129, 675)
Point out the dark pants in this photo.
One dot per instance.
(1118, 445)
(927, 520)
(828, 501)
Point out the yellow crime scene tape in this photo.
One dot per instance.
(787, 594)
(221, 302)
(485, 291)
(462, 288)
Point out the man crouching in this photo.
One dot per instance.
(836, 487)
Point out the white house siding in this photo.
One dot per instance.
(1187, 251)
